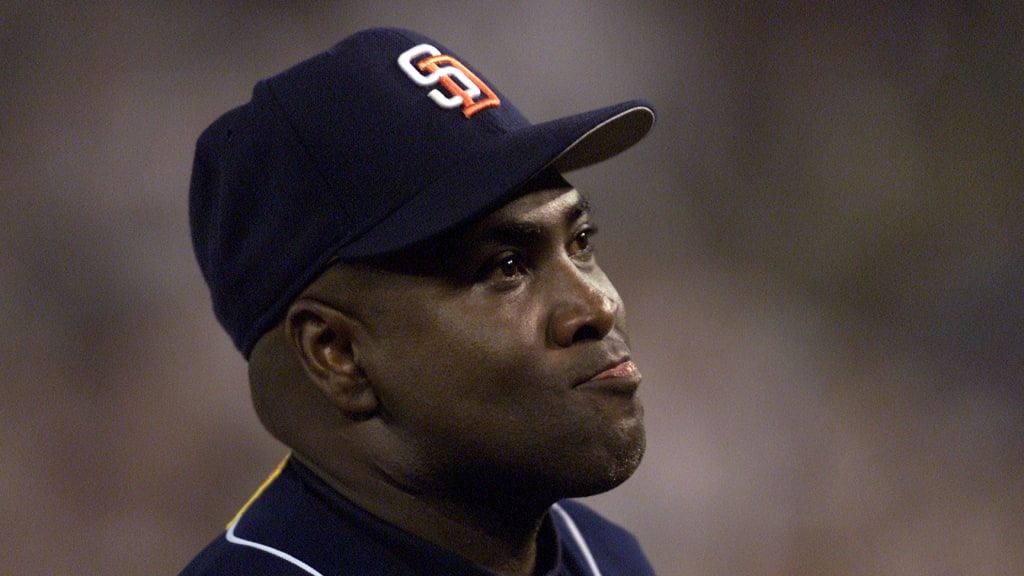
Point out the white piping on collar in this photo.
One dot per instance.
(575, 533)
(569, 524)
(230, 536)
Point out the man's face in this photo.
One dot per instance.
(483, 348)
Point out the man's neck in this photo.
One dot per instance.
(500, 536)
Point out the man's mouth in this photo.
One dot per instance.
(623, 378)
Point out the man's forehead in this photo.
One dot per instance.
(538, 208)
(521, 221)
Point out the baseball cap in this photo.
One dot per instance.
(383, 141)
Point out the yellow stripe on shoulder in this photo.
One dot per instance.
(266, 483)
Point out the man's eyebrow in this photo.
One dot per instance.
(580, 208)
(515, 233)
(525, 233)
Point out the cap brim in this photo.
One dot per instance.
(474, 186)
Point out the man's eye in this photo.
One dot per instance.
(581, 244)
(505, 269)
(510, 267)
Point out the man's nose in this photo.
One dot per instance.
(585, 309)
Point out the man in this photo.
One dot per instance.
(394, 249)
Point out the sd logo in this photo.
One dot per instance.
(463, 87)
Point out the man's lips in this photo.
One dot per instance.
(623, 377)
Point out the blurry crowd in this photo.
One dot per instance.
(820, 247)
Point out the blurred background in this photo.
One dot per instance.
(821, 247)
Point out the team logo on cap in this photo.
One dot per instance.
(426, 66)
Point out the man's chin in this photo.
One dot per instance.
(610, 472)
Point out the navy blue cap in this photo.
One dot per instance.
(383, 141)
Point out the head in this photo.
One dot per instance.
(412, 279)
(465, 364)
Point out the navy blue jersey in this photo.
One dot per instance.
(296, 525)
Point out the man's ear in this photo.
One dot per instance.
(322, 337)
